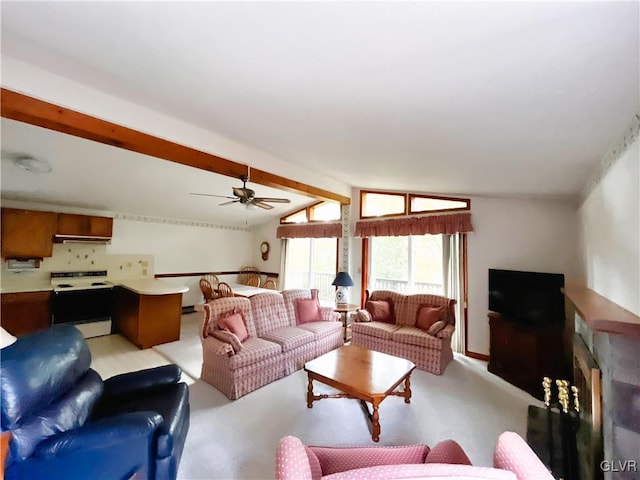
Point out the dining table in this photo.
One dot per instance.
(241, 290)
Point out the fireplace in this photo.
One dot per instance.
(567, 434)
(586, 377)
(609, 338)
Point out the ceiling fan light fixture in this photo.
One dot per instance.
(247, 197)
(32, 164)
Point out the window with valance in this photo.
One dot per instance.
(310, 247)
(424, 225)
(416, 244)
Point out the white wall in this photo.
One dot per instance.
(609, 223)
(267, 233)
(183, 247)
(514, 234)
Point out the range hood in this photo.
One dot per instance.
(82, 239)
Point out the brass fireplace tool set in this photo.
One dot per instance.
(567, 418)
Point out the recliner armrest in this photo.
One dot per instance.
(103, 433)
(116, 447)
(132, 382)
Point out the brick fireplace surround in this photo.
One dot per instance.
(612, 336)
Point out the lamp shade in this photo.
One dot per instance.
(343, 280)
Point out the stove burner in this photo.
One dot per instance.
(65, 285)
(95, 284)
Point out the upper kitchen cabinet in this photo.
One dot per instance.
(27, 233)
(86, 226)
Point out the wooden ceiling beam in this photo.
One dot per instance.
(276, 181)
(23, 108)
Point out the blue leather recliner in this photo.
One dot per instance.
(67, 423)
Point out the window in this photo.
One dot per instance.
(416, 253)
(423, 203)
(324, 211)
(297, 217)
(312, 263)
(412, 264)
(318, 212)
(382, 204)
(373, 204)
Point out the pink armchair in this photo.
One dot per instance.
(513, 459)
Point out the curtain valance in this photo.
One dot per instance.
(431, 224)
(310, 230)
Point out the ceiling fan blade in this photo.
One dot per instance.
(211, 195)
(258, 203)
(272, 200)
(229, 203)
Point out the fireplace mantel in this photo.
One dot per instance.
(601, 314)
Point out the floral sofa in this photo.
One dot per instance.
(283, 332)
(513, 459)
(417, 327)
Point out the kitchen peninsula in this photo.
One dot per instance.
(148, 311)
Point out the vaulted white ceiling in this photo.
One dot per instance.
(489, 98)
(90, 175)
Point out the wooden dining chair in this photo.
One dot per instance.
(224, 290)
(270, 284)
(248, 274)
(207, 290)
(253, 281)
(212, 279)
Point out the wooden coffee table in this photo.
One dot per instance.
(361, 374)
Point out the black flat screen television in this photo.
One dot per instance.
(530, 298)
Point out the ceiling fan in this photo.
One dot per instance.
(247, 197)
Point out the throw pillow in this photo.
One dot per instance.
(307, 310)
(228, 337)
(427, 316)
(363, 316)
(234, 322)
(381, 310)
(436, 327)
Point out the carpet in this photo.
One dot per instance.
(238, 440)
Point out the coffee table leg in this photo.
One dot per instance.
(375, 420)
(407, 389)
(310, 392)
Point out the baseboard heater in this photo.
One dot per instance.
(188, 309)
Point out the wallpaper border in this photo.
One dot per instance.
(610, 158)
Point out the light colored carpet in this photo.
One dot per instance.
(238, 440)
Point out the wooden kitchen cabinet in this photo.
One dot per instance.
(25, 312)
(84, 225)
(27, 233)
(147, 320)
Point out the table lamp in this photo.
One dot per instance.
(342, 281)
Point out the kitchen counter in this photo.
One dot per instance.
(148, 311)
(151, 286)
(30, 287)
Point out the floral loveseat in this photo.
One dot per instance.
(283, 332)
(390, 324)
(513, 459)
